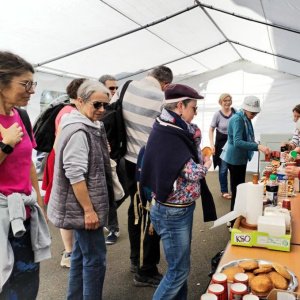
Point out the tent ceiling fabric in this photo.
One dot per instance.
(43, 30)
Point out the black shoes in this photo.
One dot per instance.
(143, 281)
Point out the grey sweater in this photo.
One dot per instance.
(12, 213)
(81, 154)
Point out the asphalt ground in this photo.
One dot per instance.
(119, 280)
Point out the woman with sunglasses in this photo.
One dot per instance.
(240, 145)
(21, 205)
(81, 189)
(66, 235)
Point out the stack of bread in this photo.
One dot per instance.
(263, 277)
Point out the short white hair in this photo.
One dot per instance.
(89, 87)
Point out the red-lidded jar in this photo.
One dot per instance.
(241, 278)
(218, 290)
(237, 291)
(286, 203)
(221, 278)
(250, 297)
(209, 297)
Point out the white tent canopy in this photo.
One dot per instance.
(202, 36)
(236, 46)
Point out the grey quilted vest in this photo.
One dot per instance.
(64, 211)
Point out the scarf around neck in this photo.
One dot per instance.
(168, 149)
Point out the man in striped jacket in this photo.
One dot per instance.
(142, 103)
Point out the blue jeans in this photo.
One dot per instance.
(23, 283)
(223, 171)
(88, 265)
(174, 226)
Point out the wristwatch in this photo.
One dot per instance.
(7, 149)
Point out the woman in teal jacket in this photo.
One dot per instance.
(241, 144)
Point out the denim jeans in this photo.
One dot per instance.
(223, 171)
(88, 265)
(174, 226)
(23, 283)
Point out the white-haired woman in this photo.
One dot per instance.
(81, 189)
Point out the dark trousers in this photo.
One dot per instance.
(23, 283)
(237, 176)
(151, 242)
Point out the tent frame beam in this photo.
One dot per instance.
(248, 19)
(117, 36)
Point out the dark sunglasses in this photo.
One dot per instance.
(112, 88)
(98, 104)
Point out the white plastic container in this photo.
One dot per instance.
(273, 225)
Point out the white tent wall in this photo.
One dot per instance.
(279, 93)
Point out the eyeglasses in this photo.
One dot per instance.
(195, 109)
(112, 88)
(28, 85)
(99, 104)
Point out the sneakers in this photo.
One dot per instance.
(66, 259)
(142, 281)
(112, 237)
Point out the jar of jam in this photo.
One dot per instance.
(237, 291)
(220, 278)
(241, 278)
(250, 297)
(209, 297)
(218, 290)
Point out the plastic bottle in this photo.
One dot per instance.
(272, 190)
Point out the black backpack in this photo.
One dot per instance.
(44, 126)
(26, 121)
(114, 126)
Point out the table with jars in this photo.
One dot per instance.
(238, 288)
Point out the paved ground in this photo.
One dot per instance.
(119, 281)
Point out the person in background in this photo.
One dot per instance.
(66, 235)
(113, 224)
(294, 144)
(142, 103)
(21, 205)
(172, 170)
(220, 123)
(82, 187)
(294, 171)
(240, 145)
(110, 82)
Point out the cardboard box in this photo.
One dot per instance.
(285, 295)
(252, 238)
